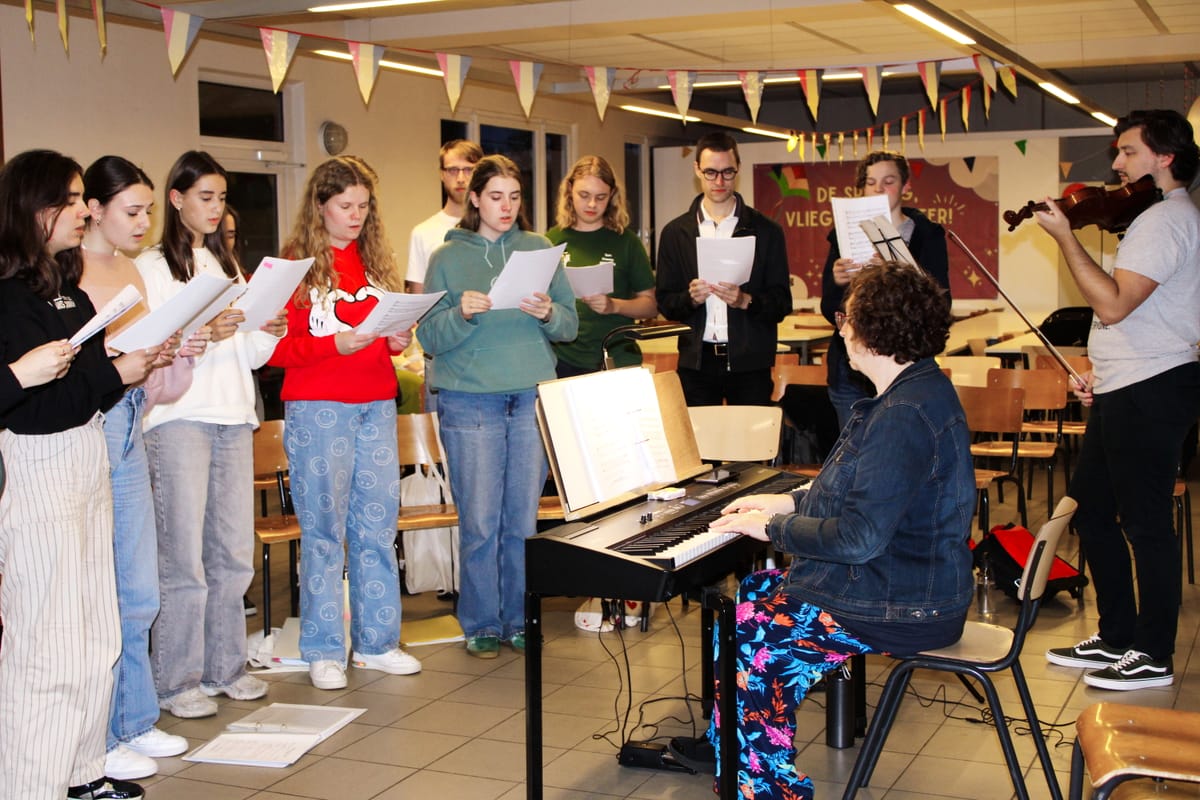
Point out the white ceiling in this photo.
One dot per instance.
(1085, 41)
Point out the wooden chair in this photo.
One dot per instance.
(995, 414)
(1045, 395)
(968, 370)
(270, 459)
(984, 649)
(785, 375)
(1117, 743)
(737, 433)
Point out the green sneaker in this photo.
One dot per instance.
(517, 642)
(484, 646)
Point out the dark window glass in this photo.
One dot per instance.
(238, 112)
(254, 195)
(517, 144)
(633, 184)
(556, 168)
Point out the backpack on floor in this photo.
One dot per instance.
(1006, 548)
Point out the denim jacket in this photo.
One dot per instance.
(881, 534)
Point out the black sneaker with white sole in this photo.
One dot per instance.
(1135, 670)
(1091, 653)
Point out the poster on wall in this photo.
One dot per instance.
(958, 193)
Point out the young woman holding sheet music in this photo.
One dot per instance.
(339, 393)
(62, 633)
(886, 173)
(592, 220)
(120, 198)
(200, 455)
(488, 363)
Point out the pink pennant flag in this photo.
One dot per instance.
(1008, 77)
(870, 76)
(966, 108)
(181, 29)
(454, 75)
(60, 6)
(601, 81)
(930, 72)
(752, 88)
(810, 82)
(526, 75)
(366, 58)
(280, 47)
(987, 68)
(681, 90)
(101, 26)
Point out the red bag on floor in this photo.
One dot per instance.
(1007, 547)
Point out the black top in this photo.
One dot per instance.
(91, 384)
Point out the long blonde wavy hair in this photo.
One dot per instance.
(615, 216)
(309, 237)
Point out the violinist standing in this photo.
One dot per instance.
(1144, 393)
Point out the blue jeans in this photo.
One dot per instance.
(497, 469)
(346, 488)
(203, 479)
(134, 708)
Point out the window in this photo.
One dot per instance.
(240, 112)
(542, 158)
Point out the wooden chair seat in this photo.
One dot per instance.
(415, 518)
(1118, 742)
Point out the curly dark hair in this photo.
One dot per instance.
(898, 310)
(1166, 132)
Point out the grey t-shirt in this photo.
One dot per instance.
(1163, 244)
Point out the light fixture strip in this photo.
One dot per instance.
(1059, 92)
(396, 65)
(365, 5)
(929, 21)
(765, 132)
(654, 112)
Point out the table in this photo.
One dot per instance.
(797, 333)
(989, 325)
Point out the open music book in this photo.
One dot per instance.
(274, 736)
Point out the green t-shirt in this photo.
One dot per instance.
(631, 275)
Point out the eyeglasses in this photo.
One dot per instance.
(839, 319)
(454, 172)
(729, 173)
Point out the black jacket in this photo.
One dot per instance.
(753, 332)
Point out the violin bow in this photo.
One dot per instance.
(1062, 361)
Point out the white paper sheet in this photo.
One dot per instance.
(725, 260)
(886, 240)
(588, 281)
(275, 736)
(175, 314)
(270, 287)
(397, 312)
(848, 212)
(124, 300)
(525, 273)
(209, 312)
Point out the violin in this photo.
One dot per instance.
(1112, 210)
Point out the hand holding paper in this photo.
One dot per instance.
(397, 311)
(526, 273)
(272, 284)
(124, 300)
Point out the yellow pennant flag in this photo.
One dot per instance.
(810, 82)
(280, 47)
(855, 143)
(942, 117)
(921, 129)
(827, 147)
(987, 68)
(929, 72)
(1008, 77)
(966, 108)
(29, 17)
(987, 102)
(101, 26)
(871, 78)
(870, 139)
(841, 146)
(903, 135)
(1064, 167)
(60, 6)
(886, 131)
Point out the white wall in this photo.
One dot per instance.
(127, 103)
(1031, 270)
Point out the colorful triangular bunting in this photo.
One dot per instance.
(1008, 77)
(181, 29)
(29, 17)
(454, 75)
(930, 72)
(681, 90)
(970, 162)
(365, 58)
(526, 75)
(810, 82)
(966, 108)
(101, 25)
(601, 81)
(871, 78)
(60, 7)
(280, 47)
(752, 88)
(1064, 167)
(987, 68)
(1020, 143)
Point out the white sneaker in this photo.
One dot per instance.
(395, 662)
(188, 704)
(327, 674)
(126, 765)
(246, 687)
(157, 743)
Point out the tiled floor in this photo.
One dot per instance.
(457, 729)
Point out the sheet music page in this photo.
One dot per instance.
(588, 281)
(397, 311)
(725, 260)
(270, 287)
(324, 721)
(157, 326)
(206, 315)
(848, 212)
(255, 749)
(124, 300)
(887, 241)
(525, 272)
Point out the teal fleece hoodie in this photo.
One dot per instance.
(503, 350)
